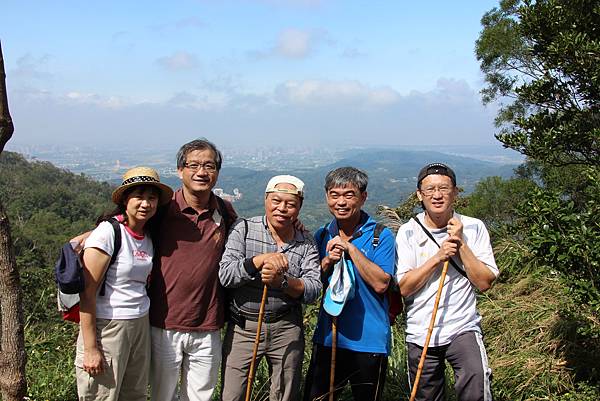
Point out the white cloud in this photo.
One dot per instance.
(290, 3)
(308, 112)
(294, 43)
(207, 101)
(182, 99)
(183, 23)
(31, 67)
(179, 61)
(352, 53)
(335, 92)
(110, 102)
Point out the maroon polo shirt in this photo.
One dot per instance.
(184, 292)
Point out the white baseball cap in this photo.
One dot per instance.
(286, 179)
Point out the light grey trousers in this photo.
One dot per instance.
(281, 343)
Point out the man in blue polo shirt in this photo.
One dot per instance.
(363, 329)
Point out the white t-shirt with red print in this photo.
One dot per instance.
(125, 294)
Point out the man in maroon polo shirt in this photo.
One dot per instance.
(187, 305)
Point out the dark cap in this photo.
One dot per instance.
(436, 168)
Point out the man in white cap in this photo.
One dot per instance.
(358, 255)
(269, 250)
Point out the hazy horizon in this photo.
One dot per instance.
(245, 72)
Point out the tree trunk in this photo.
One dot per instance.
(13, 384)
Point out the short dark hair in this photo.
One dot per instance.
(435, 168)
(344, 176)
(198, 144)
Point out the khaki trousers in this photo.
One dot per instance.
(281, 343)
(126, 348)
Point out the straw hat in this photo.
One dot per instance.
(142, 176)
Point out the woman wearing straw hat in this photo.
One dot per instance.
(113, 347)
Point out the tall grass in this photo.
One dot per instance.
(541, 344)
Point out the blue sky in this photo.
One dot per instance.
(391, 73)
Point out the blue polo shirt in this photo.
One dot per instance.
(363, 325)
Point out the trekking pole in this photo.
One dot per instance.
(413, 393)
(333, 352)
(261, 313)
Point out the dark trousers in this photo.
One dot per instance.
(466, 354)
(365, 372)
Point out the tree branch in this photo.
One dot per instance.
(6, 124)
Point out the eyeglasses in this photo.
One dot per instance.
(429, 191)
(208, 167)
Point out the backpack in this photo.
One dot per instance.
(396, 306)
(68, 273)
(227, 218)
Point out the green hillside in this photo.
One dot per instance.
(46, 207)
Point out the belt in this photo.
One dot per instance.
(268, 317)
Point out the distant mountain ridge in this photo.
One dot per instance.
(392, 176)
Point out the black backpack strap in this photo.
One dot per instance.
(116, 248)
(323, 233)
(324, 277)
(224, 213)
(452, 262)
(377, 233)
(392, 287)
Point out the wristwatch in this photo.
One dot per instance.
(284, 282)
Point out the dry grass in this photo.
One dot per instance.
(532, 339)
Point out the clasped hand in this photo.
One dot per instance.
(272, 269)
(452, 244)
(335, 248)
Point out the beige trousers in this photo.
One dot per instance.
(126, 348)
(281, 343)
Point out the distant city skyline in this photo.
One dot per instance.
(107, 163)
(245, 72)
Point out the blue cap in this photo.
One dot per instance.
(340, 289)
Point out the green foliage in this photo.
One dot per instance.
(541, 62)
(565, 237)
(493, 201)
(50, 361)
(47, 206)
